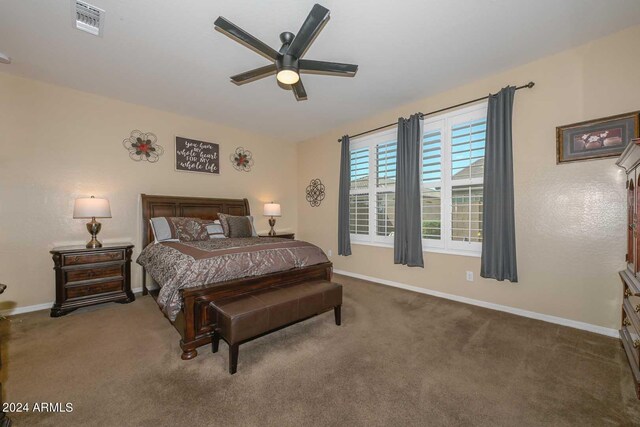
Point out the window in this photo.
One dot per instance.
(385, 165)
(453, 147)
(359, 195)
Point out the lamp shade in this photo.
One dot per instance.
(91, 207)
(272, 209)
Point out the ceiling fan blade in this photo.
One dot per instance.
(241, 36)
(311, 27)
(253, 75)
(330, 68)
(299, 92)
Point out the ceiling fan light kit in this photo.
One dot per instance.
(287, 65)
(287, 62)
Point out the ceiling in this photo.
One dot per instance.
(165, 54)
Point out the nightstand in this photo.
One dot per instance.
(291, 236)
(86, 277)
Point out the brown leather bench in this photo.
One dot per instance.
(244, 317)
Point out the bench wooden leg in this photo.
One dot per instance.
(337, 313)
(215, 342)
(233, 358)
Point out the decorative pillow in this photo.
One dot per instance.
(161, 230)
(188, 229)
(215, 230)
(237, 226)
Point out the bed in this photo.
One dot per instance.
(191, 316)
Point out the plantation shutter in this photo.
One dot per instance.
(359, 194)
(467, 170)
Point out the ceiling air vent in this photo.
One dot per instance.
(87, 17)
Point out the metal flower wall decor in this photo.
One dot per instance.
(143, 146)
(242, 160)
(315, 192)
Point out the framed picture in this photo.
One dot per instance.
(197, 156)
(596, 139)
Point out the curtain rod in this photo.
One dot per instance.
(527, 86)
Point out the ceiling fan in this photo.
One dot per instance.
(287, 62)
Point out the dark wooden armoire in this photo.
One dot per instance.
(630, 329)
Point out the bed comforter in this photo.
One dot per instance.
(178, 265)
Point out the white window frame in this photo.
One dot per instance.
(443, 122)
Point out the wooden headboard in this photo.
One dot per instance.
(195, 207)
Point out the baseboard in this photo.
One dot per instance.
(38, 307)
(517, 311)
(26, 309)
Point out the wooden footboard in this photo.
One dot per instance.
(195, 323)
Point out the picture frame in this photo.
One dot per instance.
(192, 155)
(596, 139)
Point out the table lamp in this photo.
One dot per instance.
(91, 207)
(272, 210)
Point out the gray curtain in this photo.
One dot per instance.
(498, 219)
(344, 238)
(407, 240)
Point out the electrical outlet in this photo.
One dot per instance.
(329, 253)
(469, 276)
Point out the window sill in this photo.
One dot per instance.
(456, 252)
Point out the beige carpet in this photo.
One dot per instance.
(400, 358)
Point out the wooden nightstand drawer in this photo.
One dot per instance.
(78, 291)
(91, 258)
(93, 273)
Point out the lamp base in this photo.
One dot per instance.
(94, 243)
(94, 227)
(272, 223)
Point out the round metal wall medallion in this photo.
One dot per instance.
(242, 160)
(143, 146)
(315, 192)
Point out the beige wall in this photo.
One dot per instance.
(570, 218)
(58, 144)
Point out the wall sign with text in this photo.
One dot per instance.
(197, 156)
